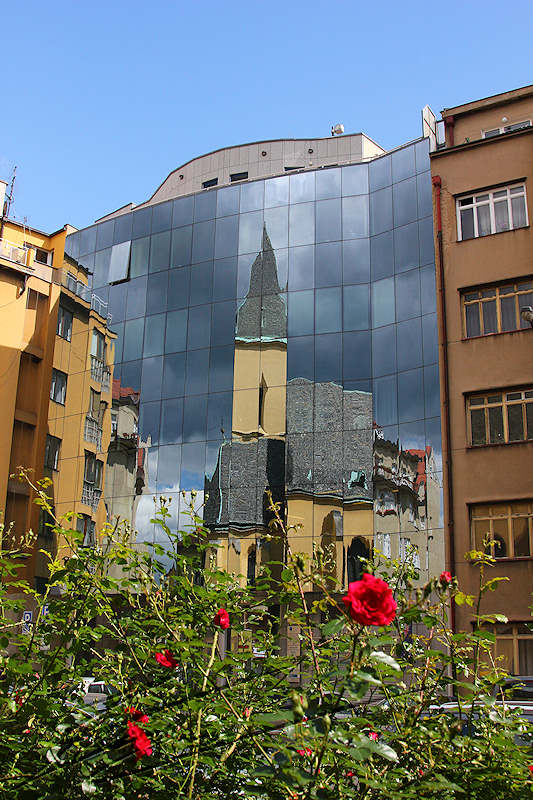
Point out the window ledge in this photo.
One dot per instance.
(496, 333)
(496, 233)
(507, 559)
(498, 444)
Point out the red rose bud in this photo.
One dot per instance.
(373, 735)
(221, 619)
(370, 601)
(445, 578)
(166, 659)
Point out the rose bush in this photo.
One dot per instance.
(202, 710)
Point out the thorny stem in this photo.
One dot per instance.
(196, 742)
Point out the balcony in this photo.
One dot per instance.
(81, 290)
(93, 432)
(90, 496)
(15, 252)
(100, 373)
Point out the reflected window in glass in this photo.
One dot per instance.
(176, 331)
(193, 467)
(162, 217)
(384, 350)
(197, 372)
(154, 335)
(302, 187)
(226, 237)
(385, 400)
(205, 205)
(301, 267)
(199, 329)
(181, 246)
(136, 302)
(407, 295)
(252, 195)
(383, 312)
(356, 261)
(328, 264)
(403, 164)
(381, 211)
(195, 418)
(405, 202)
(173, 375)
(328, 358)
(356, 355)
(160, 252)
(223, 323)
(380, 174)
(355, 180)
(301, 358)
(178, 288)
(87, 240)
(182, 211)
(140, 257)
(171, 421)
(221, 369)
(104, 234)
(149, 421)
(203, 241)
(355, 217)
(381, 255)
(142, 222)
(225, 279)
(168, 469)
(152, 373)
(410, 395)
(228, 200)
(301, 313)
(356, 307)
(328, 183)
(219, 412)
(276, 192)
(430, 338)
(406, 251)
(277, 226)
(409, 338)
(250, 232)
(157, 293)
(201, 283)
(302, 224)
(328, 310)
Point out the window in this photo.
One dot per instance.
(514, 643)
(383, 544)
(516, 126)
(509, 525)
(43, 256)
(58, 388)
(64, 323)
(496, 309)
(494, 211)
(209, 183)
(501, 417)
(114, 423)
(85, 525)
(238, 176)
(98, 345)
(46, 523)
(93, 471)
(51, 451)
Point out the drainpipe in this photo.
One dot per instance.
(446, 433)
(449, 123)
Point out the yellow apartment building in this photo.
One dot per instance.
(56, 355)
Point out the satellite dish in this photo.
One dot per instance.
(337, 129)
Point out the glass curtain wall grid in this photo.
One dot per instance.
(279, 336)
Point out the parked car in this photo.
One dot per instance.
(95, 693)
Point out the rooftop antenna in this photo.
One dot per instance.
(7, 202)
(338, 129)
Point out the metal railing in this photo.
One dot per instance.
(80, 289)
(93, 432)
(15, 252)
(90, 495)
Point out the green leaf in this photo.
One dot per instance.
(385, 658)
(333, 627)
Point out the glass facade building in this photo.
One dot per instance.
(280, 336)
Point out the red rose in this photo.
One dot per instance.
(166, 659)
(445, 577)
(141, 742)
(370, 601)
(138, 716)
(349, 774)
(221, 619)
(306, 752)
(373, 735)
(530, 768)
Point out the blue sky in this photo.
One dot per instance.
(102, 100)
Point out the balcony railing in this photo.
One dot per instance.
(90, 496)
(93, 432)
(15, 252)
(100, 373)
(80, 289)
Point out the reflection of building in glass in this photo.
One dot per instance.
(265, 331)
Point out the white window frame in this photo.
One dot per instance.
(489, 199)
(490, 133)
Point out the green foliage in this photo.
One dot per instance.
(362, 720)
